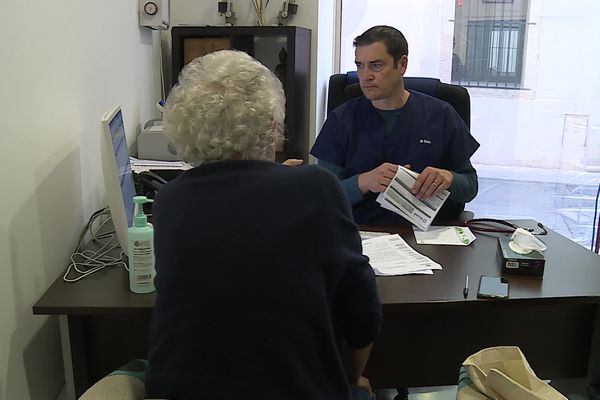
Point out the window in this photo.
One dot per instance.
(489, 42)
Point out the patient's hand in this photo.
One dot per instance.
(293, 162)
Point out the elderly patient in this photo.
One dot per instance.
(259, 265)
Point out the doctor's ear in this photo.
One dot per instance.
(403, 64)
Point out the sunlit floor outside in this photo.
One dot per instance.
(562, 200)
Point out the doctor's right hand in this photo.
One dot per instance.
(378, 179)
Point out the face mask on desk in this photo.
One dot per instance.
(524, 242)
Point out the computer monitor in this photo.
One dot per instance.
(118, 178)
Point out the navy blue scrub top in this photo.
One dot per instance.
(427, 132)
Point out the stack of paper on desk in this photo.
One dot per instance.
(391, 255)
(399, 199)
(447, 235)
(139, 165)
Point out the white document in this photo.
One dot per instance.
(391, 255)
(364, 235)
(449, 235)
(399, 199)
(140, 165)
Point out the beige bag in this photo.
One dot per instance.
(502, 373)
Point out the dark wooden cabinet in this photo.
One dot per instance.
(270, 45)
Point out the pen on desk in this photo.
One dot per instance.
(466, 288)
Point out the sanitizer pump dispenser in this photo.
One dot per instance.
(140, 242)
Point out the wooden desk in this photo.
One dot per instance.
(103, 325)
(428, 328)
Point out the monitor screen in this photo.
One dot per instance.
(118, 178)
(119, 142)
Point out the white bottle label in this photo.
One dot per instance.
(142, 261)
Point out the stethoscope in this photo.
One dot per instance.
(499, 226)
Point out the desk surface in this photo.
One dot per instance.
(104, 292)
(572, 274)
(428, 328)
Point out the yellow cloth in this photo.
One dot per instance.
(115, 387)
(502, 373)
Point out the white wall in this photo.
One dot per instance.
(64, 63)
(425, 25)
(325, 60)
(318, 16)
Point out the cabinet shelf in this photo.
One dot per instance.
(266, 44)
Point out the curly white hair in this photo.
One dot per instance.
(226, 106)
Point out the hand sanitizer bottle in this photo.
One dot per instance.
(140, 243)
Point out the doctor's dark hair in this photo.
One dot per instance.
(226, 106)
(394, 40)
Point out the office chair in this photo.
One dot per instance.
(343, 87)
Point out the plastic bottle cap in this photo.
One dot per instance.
(140, 219)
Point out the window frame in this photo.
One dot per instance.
(479, 49)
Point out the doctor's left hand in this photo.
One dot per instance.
(431, 182)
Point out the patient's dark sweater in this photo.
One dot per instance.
(256, 263)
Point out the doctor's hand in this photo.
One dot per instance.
(431, 182)
(292, 162)
(378, 179)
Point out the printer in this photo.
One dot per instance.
(153, 144)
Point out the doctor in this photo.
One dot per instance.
(364, 140)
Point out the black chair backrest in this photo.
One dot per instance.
(343, 87)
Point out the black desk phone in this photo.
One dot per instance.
(147, 183)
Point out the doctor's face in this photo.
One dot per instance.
(379, 78)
